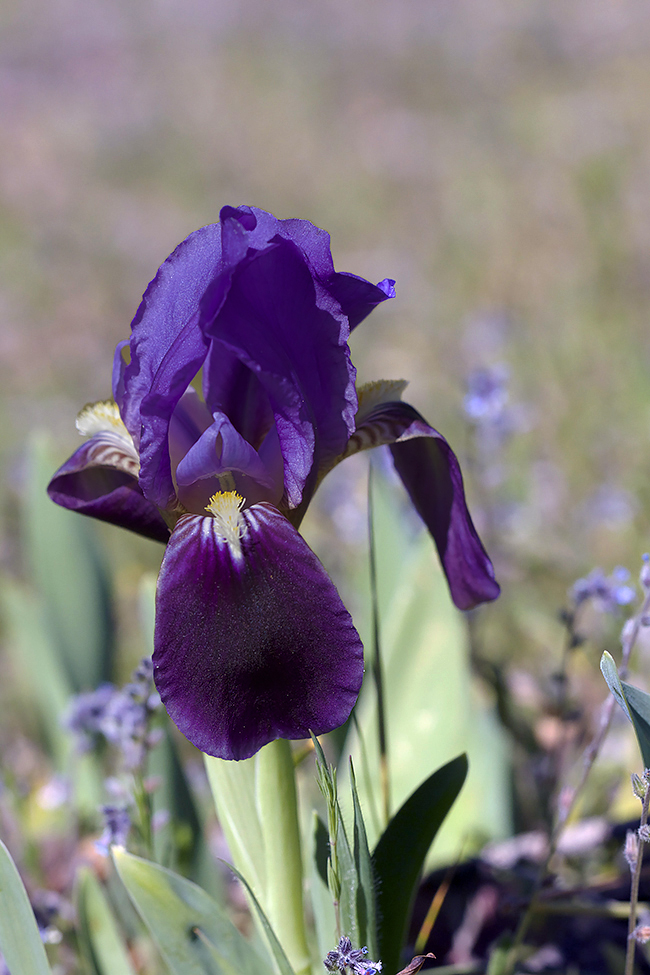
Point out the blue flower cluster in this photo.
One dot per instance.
(487, 395)
(608, 593)
(122, 716)
(345, 957)
(494, 419)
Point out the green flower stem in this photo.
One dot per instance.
(233, 790)
(377, 663)
(278, 812)
(144, 822)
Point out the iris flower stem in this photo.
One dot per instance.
(278, 811)
(143, 805)
(377, 669)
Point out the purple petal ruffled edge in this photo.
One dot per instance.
(252, 641)
(107, 493)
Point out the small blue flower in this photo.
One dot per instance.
(117, 823)
(127, 716)
(608, 593)
(47, 905)
(487, 394)
(345, 957)
(85, 715)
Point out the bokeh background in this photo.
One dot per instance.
(491, 155)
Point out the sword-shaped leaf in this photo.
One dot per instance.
(402, 849)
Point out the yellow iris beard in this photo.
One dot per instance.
(225, 507)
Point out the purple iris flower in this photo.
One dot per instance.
(252, 641)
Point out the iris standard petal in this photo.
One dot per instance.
(357, 296)
(291, 361)
(431, 474)
(231, 387)
(252, 641)
(100, 480)
(167, 350)
(291, 333)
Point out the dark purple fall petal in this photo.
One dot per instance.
(106, 490)
(255, 645)
(431, 474)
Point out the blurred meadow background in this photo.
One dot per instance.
(491, 155)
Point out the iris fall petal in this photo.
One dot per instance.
(431, 474)
(100, 480)
(252, 641)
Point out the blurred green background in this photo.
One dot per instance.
(491, 155)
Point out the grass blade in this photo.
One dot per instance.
(402, 849)
(101, 942)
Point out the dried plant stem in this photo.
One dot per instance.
(634, 888)
(590, 755)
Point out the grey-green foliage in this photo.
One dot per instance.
(233, 790)
(349, 868)
(436, 714)
(20, 942)
(192, 932)
(365, 894)
(279, 957)
(34, 655)
(321, 898)
(634, 703)
(45, 684)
